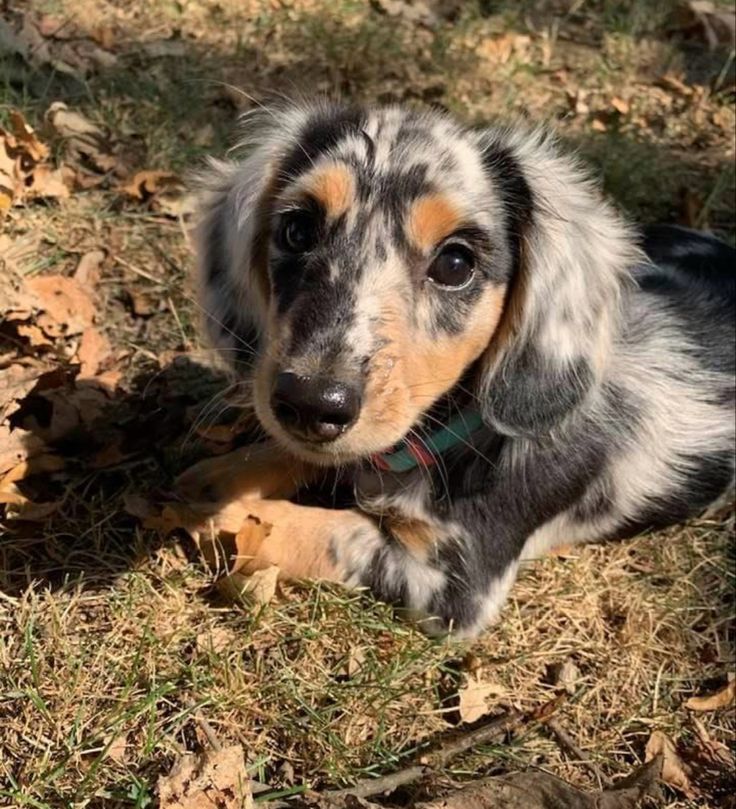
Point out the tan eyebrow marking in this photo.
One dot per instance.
(430, 219)
(333, 187)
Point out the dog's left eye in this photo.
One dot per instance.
(453, 267)
(297, 232)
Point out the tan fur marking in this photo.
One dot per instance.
(435, 365)
(430, 219)
(413, 371)
(417, 536)
(297, 540)
(246, 474)
(333, 187)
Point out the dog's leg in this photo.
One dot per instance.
(422, 568)
(305, 542)
(253, 472)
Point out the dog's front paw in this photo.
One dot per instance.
(251, 473)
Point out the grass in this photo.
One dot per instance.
(112, 643)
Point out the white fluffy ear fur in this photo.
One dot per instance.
(574, 254)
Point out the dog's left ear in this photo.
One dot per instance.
(571, 253)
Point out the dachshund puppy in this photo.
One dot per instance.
(453, 326)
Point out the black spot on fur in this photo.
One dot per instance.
(513, 188)
(703, 258)
(529, 396)
(322, 132)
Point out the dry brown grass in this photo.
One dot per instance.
(111, 641)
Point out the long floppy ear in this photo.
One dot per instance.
(572, 255)
(232, 234)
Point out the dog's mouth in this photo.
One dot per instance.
(331, 420)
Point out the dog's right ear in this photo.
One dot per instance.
(232, 236)
(231, 307)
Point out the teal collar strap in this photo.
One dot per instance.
(413, 451)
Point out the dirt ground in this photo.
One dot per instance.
(118, 653)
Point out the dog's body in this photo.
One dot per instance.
(387, 273)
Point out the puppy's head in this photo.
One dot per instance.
(359, 263)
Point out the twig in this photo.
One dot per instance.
(567, 743)
(492, 731)
(172, 308)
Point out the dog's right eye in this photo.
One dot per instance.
(297, 232)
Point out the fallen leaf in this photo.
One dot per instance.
(89, 268)
(674, 770)
(118, 748)
(49, 25)
(85, 143)
(473, 697)
(216, 780)
(216, 639)
(259, 587)
(27, 138)
(176, 205)
(218, 433)
(413, 11)
(142, 304)
(17, 446)
(499, 49)
(146, 184)
(568, 676)
(621, 105)
(48, 183)
(93, 352)
(34, 335)
(31, 512)
(24, 174)
(47, 462)
(724, 698)
(66, 305)
(15, 382)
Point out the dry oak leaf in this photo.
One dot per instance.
(724, 698)
(259, 587)
(146, 184)
(15, 382)
(473, 697)
(48, 183)
(675, 772)
(23, 171)
(27, 139)
(67, 307)
(215, 780)
(85, 142)
(17, 446)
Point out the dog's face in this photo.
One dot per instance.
(385, 267)
(365, 258)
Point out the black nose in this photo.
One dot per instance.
(314, 407)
